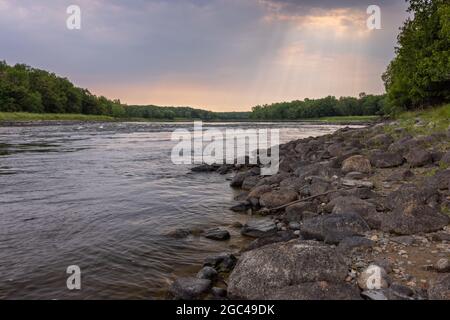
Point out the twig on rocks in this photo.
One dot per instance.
(302, 200)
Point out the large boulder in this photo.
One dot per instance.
(334, 227)
(189, 288)
(414, 218)
(418, 157)
(380, 159)
(357, 163)
(277, 198)
(261, 272)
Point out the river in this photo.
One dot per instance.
(104, 197)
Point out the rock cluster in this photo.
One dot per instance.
(339, 208)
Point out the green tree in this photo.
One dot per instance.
(419, 75)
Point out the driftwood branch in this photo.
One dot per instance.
(303, 200)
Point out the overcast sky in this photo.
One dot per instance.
(219, 55)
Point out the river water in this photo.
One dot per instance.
(104, 197)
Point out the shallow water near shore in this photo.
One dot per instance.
(104, 197)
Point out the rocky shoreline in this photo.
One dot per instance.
(357, 214)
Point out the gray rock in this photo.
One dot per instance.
(407, 194)
(442, 265)
(445, 158)
(355, 244)
(374, 294)
(259, 228)
(292, 183)
(250, 182)
(381, 140)
(401, 290)
(274, 179)
(179, 233)
(361, 207)
(277, 198)
(404, 240)
(260, 272)
(319, 186)
(208, 273)
(189, 288)
(296, 212)
(418, 157)
(400, 175)
(334, 227)
(205, 168)
(413, 219)
(294, 225)
(217, 234)
(357, 183)
(356, 163)
(224, 169)
(222, 262)
(385, 263)
(441, 236)
(440, 288)
(280, 236)
(241, 207)
(381, 159)
(258, 191)
(239, 178)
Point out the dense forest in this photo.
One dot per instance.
(325, 107)
(26, 89)
(419, 75)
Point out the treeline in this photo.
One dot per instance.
(419, 75)
(318, 108)
(26, 89)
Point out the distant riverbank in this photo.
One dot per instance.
(25, 118)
